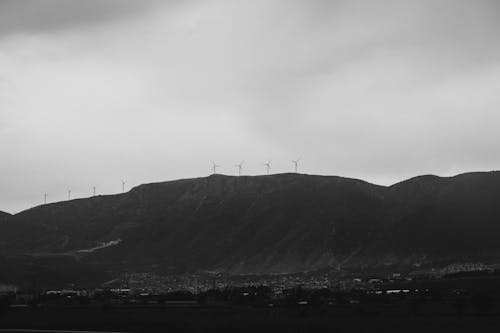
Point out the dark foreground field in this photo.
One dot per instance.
(241, 320)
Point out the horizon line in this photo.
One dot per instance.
(261, 175)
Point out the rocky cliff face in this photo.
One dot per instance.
(268, 224)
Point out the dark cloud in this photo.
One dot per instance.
(34, 16)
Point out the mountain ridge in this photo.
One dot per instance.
(412, 179)
(4, 216)
(268, 224)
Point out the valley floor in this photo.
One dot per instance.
(341, 319)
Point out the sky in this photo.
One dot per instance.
(96, 92)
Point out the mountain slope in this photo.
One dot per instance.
(4, 216)
(279, 223)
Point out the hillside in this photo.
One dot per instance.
(4, 216)
(268, 224)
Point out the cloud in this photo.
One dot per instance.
(93, 92)
(34, 17)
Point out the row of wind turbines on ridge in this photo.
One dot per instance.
(267, 165)
(94, 192)
(215, 166)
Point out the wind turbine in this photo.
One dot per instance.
(268, 166)
(214, 167)
(240, 167)
(93, 190)
(123, 186)
(296, 164)
(45, 195)
(69, 194)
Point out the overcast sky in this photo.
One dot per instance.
(92, 92)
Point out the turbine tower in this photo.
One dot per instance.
(123, 186)
(240, 167)
(69, 194)
(268, 166)
(296, 164)
(45, 195)
(93, 191)
(214, 167)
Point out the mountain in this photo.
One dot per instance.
(4, 216)
(265, 224)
